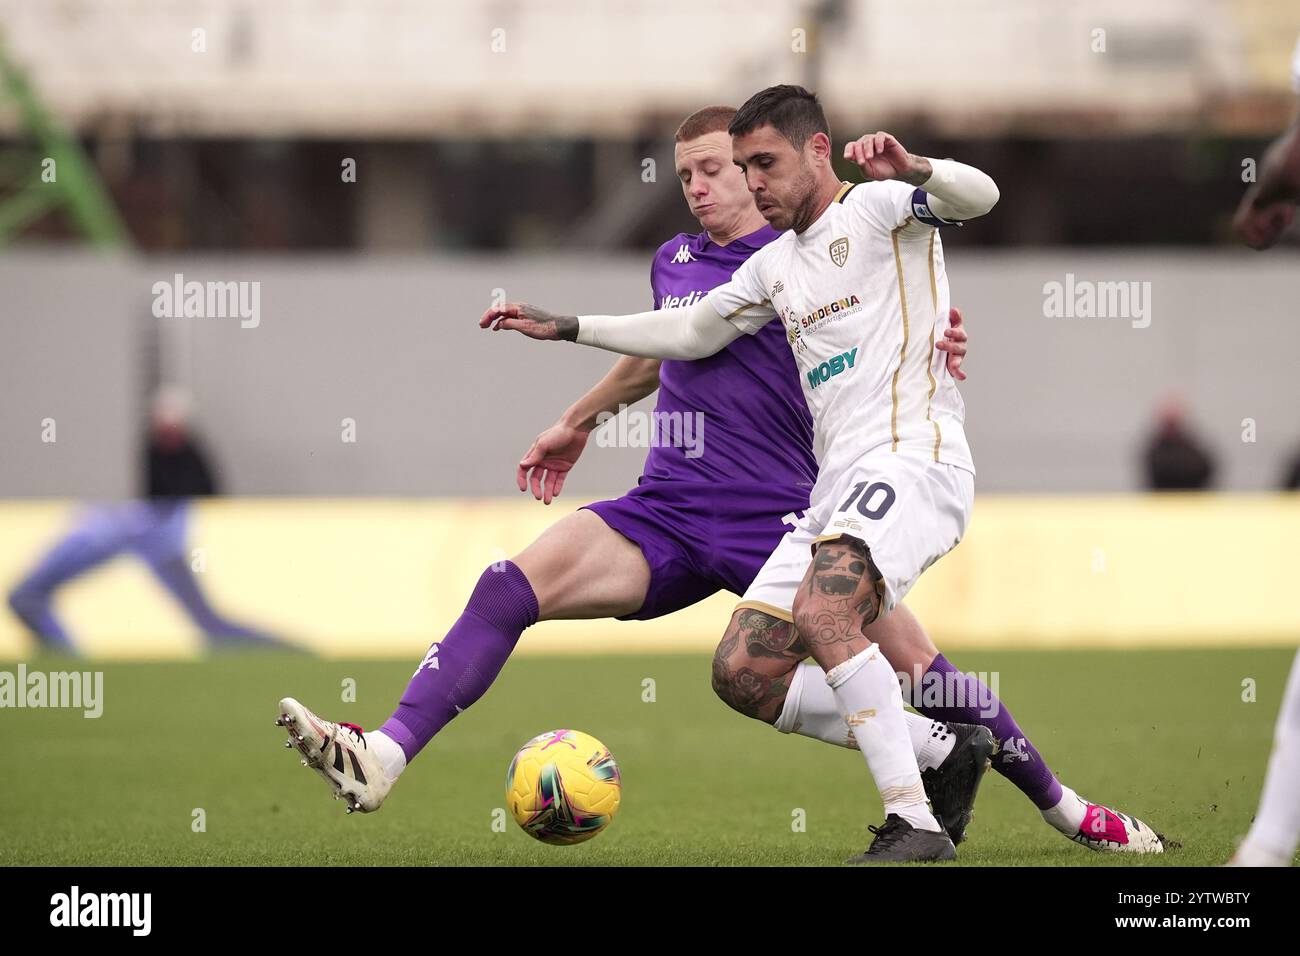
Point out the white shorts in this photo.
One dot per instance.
(908, 511)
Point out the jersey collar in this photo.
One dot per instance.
(754, 240)
(821, 222)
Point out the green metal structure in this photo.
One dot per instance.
(73, 187)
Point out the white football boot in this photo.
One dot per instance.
(1110, 831)
(339, 753)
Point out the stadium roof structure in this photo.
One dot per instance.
(405, 68)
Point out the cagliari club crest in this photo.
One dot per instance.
(840, 251)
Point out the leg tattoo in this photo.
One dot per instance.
(754, 663)
(838, 599)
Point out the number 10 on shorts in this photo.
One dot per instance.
(873, 499)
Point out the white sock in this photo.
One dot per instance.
(932, 740)
(387, 751)
(1252, 854)
(1273, 837)
(1067, 816)
(811, 710)
(866, 689)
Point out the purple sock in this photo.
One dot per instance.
(1017, 759)
(459, 670)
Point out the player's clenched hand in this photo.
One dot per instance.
(548, 461)
(1260, 227)
(534, 322)
(954, 343)
(880, 156)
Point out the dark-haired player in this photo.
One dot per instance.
(695, 524)
(859, 285)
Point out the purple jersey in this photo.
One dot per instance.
(706, 513)
(756, 423)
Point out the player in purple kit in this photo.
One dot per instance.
(694, 524)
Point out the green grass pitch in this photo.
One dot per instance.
(1162, 734)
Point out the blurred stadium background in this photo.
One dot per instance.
(526, 146)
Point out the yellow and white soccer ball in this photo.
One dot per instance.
(563, 787)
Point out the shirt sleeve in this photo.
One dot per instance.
(682, 332)
(744, 301)
(888, 204)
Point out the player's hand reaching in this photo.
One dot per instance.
(1260, 227)
(954, 343)
(547, 462)
(534, 322)
(880, 156)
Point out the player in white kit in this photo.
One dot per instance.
(861, 293)
(859, 284)
(1266, 212)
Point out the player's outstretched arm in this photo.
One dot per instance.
(532, 321)
(630, 380)
(687, 332)
(1269, 207)
(554, 452)
(956, 191)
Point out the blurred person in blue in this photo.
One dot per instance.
(153, 529)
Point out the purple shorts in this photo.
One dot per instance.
(699, 537)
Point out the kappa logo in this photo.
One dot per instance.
(683, 255)
(840, 251)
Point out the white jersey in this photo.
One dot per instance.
(1295, 68)
(863, 296)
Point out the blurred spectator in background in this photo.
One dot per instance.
(1291, 480)
(1174, 459)
(153, 529)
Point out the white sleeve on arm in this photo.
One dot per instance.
(743, 301)
(687, 332)
(956, 191)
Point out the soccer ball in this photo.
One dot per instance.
(563, 787)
